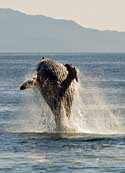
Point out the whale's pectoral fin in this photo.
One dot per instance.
(29, 83)
(72, 72)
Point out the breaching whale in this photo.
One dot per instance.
(57, 84)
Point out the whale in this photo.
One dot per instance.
(57, 85)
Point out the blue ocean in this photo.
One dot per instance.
(28, 142)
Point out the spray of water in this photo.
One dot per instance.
(90, 114)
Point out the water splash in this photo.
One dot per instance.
(90, 114)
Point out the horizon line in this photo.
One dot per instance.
(59, 52)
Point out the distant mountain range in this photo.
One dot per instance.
(20, 32)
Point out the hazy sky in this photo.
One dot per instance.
(101, 14)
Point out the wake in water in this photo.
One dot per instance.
(90, 114)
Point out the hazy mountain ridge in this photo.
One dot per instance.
(21, 32)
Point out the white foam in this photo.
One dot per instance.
(84, 118)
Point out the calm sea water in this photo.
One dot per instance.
(44, 152)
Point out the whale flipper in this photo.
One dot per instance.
(72, 72)
(29, 83)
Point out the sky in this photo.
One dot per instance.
(99, 14)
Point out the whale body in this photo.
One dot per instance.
(57, 84)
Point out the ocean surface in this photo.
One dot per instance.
(28, 143)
